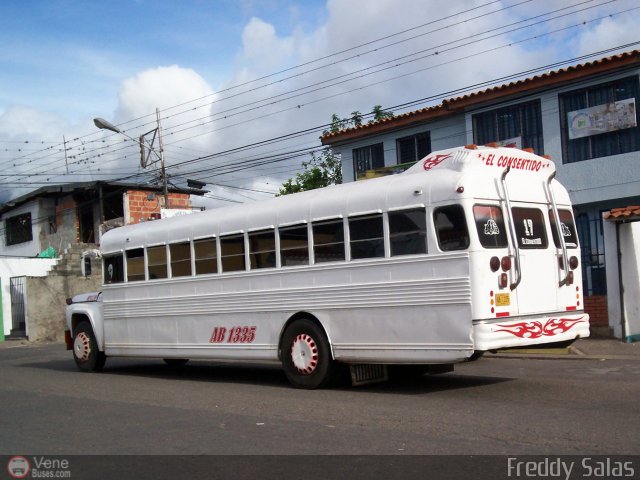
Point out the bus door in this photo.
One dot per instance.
(541, 278)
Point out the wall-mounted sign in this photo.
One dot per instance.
(604, 118)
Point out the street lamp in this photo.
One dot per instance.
(103, 124)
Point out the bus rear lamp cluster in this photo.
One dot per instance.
(573, 262)
(495, 263)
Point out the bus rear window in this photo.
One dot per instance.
(490, 226)
(568, 228)
(451, 228)
(530, 228)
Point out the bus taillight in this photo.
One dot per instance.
(503, 280)
(494, 263)
(569, 278)
(506, 263)
(573, 263)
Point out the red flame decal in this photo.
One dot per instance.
(553, 326)
(431, 162)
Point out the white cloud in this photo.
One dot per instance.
(160, 87)
(248, 114)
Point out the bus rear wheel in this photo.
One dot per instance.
(306, 356)
(85, 349)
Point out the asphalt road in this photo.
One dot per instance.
(492, 406)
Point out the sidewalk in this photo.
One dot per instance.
(583, 348)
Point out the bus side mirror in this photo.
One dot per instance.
(86, 267)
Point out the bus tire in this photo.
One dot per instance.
(306, 356)
(85, 349)
(175, 362)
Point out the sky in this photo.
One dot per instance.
(234, 80)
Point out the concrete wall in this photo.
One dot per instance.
(46, 296)
(18, 267)
(623, 265)
(25, 249)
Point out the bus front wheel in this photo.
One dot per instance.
(306, 356)
(85, 349)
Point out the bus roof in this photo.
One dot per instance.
(435, 179)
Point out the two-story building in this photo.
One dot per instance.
(585, 117)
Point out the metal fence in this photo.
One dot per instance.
(18, 319)
(592, 253)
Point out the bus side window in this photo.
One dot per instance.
(328, 241)
(367, 236)
(180, 259)
(232, 253)
(206, 256)
(113, 269)
(408, 231)
(135, 265)
(262, 249)
(157, 262)
(451, 228)
(294, 245)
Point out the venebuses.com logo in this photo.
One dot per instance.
(38, 467)
(18, 467)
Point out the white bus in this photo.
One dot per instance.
(471, 249)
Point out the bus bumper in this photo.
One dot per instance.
(492, 334)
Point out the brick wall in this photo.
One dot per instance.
(596, 307)
(66, 219)
(144, 205)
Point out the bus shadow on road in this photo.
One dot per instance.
(268, 375)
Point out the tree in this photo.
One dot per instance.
(322, 170)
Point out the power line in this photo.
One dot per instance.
(450, 16)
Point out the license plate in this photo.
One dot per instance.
(503, 300)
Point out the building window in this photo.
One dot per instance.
(367, 158)
(600, 121)
(517, 126)
(413, 148)
(18, 229)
